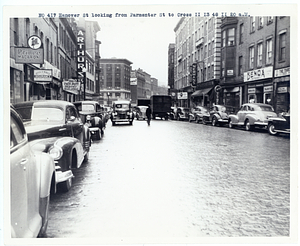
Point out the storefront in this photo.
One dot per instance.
(205, 94)
(282, 91)
(259, 86)
(232, 96)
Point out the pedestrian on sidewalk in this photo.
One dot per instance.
(148, 114)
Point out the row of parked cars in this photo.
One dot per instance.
(48, 139)
(249, 116)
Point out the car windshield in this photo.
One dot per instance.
(47, 114)
(265, 108)
(122, 106)
(88, 107)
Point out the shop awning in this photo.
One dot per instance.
(200, 93)
(232, 89)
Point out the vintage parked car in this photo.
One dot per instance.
(92, 114)
(32, 179)
(141, 112)
(198, 113)
(182, 113)
(171, 114)
(280, 124)
(59, 125)
(217, 116)
(122, 112)
(252, 115)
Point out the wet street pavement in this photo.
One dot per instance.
(177, 180)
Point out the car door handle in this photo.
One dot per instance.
(62, 129)
(23, 161)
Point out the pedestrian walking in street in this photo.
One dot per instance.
(148, 114)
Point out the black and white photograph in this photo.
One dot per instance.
(150, 124)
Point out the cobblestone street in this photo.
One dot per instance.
(178, 180)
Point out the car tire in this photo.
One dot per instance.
(204, 121)
(230, 125)
(130, 123)
(214, 121)
(86, 156)
(271, 128)
(248, 126)
(113, 123)
(65, 186)
(190, 119)
(98, 135)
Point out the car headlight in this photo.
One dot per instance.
(55, 152)
(88, 117)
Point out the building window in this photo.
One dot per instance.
(27, 28)
(260, 22)
(282, 46)
(47, 50)
(16, 29)
(231, 36)
(251, 57)
(269, 51)
(240, 65)
(270, 20)
(259, 54)
(224, 38)
(241, 33)
(252, 24)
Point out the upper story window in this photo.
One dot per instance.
(231, 36)
(251, 57)
(252, 24)
(269, 51)
(260, 22)
(16, 30)
(282, 46)
(241, 33)
(224, 38)
(228, 37)
(240, 65)
(259, 54)
(270, 20)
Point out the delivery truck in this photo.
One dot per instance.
(161, 106)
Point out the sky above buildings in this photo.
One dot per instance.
(143, 41)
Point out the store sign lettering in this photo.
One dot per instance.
(258, 74)
(81, 55)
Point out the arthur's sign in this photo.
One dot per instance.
(81, 56)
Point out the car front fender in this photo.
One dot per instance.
(47, 173)
(233, 118)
